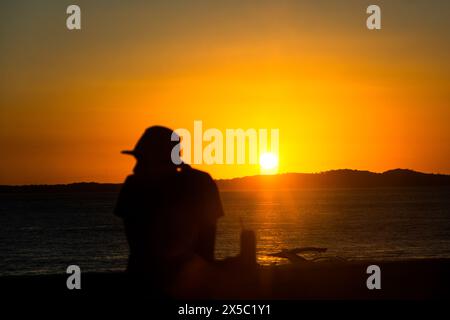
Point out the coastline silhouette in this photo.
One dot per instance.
(341, 178)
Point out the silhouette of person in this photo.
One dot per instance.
(169, 211)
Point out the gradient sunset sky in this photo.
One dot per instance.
(341, 95)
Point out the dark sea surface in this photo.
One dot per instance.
(45, 232)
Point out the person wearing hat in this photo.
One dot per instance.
(170, 212)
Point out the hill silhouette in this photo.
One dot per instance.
(342, 178)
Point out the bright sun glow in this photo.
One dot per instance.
(268, 162)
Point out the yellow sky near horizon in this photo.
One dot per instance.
(342, 96)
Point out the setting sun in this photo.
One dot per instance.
(268, 163)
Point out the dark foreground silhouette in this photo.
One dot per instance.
(413, 279)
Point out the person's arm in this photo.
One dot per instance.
(122, 203)
(206, 242)
(213, 211)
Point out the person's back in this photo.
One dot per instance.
(169, 213)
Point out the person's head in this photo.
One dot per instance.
(155, 149)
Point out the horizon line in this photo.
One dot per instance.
(237, 177)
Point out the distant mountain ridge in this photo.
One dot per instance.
(342, 178)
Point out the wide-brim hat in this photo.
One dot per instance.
(153, 141)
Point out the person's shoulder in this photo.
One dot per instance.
(198, 173)
(130, 181)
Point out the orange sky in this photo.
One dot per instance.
(342, 96)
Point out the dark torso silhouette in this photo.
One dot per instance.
(169, 218)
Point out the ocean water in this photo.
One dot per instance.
(42, 233)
